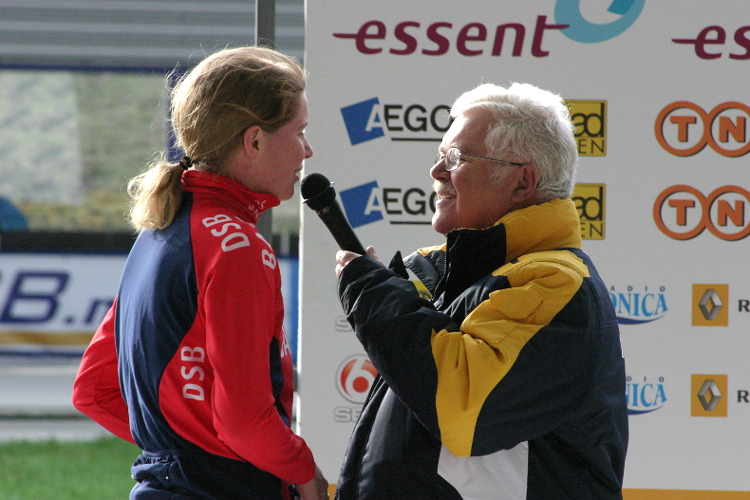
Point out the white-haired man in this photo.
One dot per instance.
(509, 383)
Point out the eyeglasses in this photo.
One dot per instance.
(453, 159)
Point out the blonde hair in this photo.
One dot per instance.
(211, 108)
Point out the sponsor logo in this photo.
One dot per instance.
(716, 37)
(589, 119)
(369, 203)
(710, 305)
(369, 119)
(441, 37)
(645, 395)
(708, 395)
(684, 129)
(494, 39)
(581, 30)
(590, 203)
(354, 378)
(682, 212)
(637, 306)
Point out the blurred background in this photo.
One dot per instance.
(83, 108)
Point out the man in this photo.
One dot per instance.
(509, 383)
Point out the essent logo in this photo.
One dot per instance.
(682, 212)
(685, 129)
(495, 39)
(638, 306)
(717, 36)
(708, 395)
(369, 119)
(355, 377)
(581, 30)
(645, 396)
(710, 305)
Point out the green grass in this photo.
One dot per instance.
(51, 470)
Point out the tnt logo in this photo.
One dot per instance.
(589, 201)
(589, 120)
(682, 212)
(684, 128)
(355, 377)
(708, 395)
(710, 305)
(368, 120)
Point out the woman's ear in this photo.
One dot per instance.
(252, 141)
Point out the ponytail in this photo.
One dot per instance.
(156, 194)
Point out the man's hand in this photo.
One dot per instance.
(343, 257)
(315, 489)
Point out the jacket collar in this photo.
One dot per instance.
(474, 253)
(229, 191)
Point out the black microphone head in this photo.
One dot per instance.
(317, 191)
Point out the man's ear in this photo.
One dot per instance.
(527, 183)
(252, 141)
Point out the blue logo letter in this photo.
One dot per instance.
(363, 122)
(361, 204)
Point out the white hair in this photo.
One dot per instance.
(532, 125)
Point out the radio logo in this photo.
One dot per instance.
(355, 377)
(636, 306)
(708, 395)
(589, 119)
(710, 305)
(589, 201)
(645, 395)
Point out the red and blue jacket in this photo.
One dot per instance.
(192, 357)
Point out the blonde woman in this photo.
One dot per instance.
(191, 363)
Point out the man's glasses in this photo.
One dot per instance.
(453, 159)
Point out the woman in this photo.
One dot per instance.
(191, 362)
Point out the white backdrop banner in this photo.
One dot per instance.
(658, 93)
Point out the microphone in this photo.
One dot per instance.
(319, 195)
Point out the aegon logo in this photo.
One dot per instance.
(638, 306)
(682, 212)
(369, 203)
(717, 35)
(684, 128)
(369, 119)
(710, 305)
(709, 395)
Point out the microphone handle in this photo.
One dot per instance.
(332, 217)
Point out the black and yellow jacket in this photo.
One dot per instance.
(501, 371)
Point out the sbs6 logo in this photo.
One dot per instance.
(682, 212)
(354, 378)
